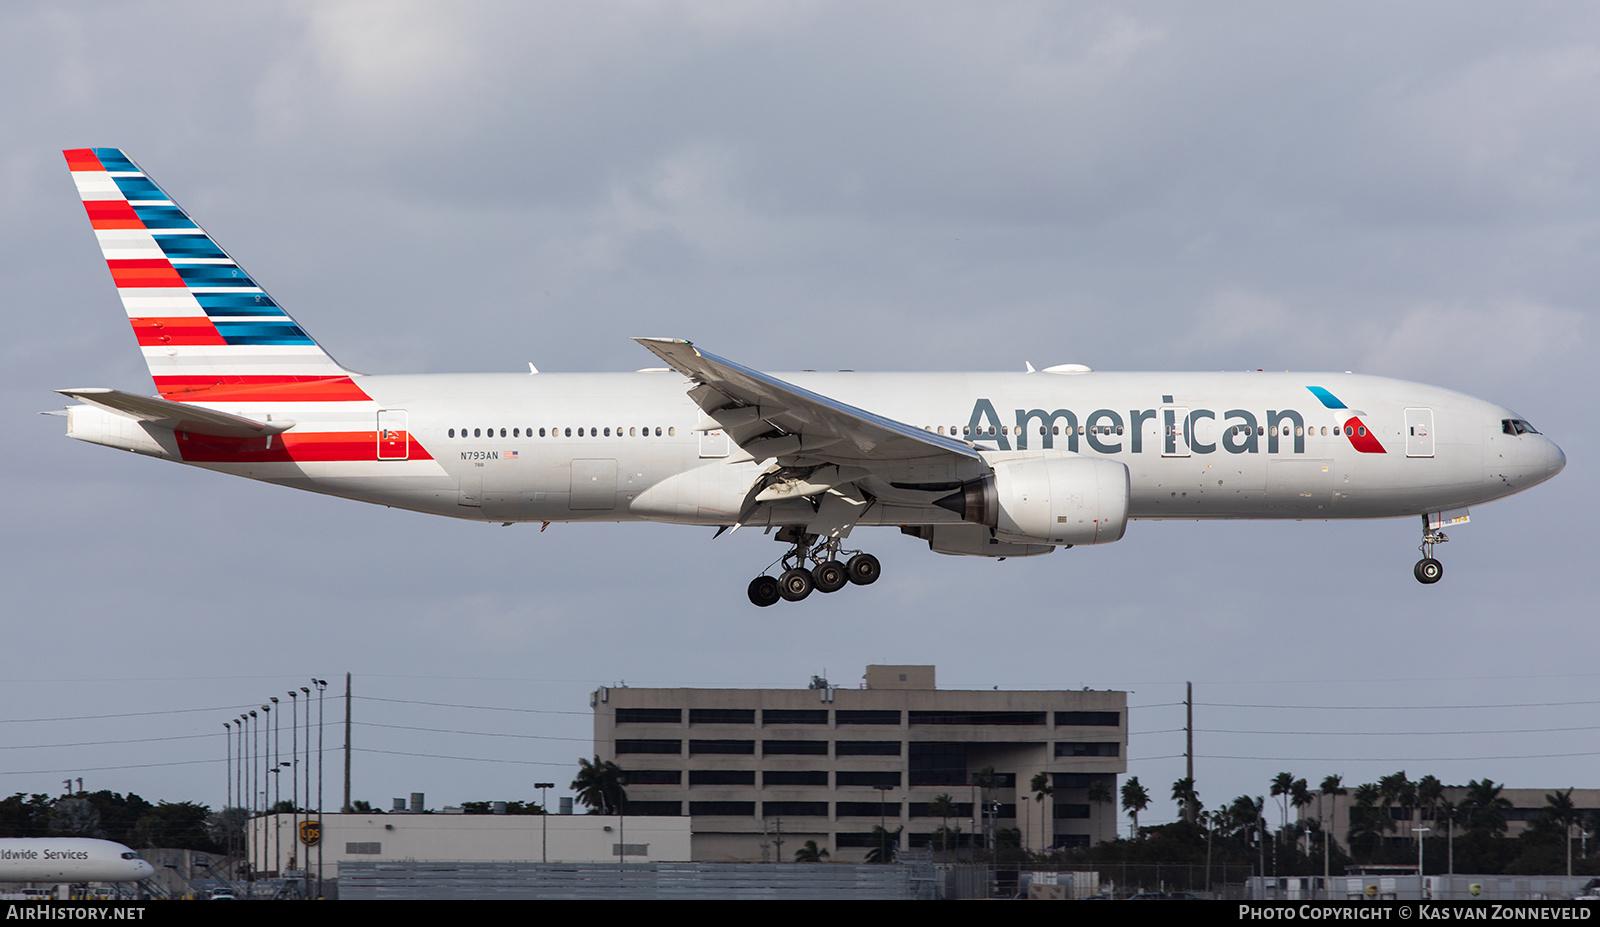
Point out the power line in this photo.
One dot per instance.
(1527, 730)
(534, 711)
(470, 759)
(84, 769)
(102, 743)
(127, 714)
(435, 730)
(1400, 707)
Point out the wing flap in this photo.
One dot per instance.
(839, 431)
(179, 416)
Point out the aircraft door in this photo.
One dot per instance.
(394, 442)
(1174, 431)
(594, 485)
(1419, 432)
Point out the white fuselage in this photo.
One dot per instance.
(624, 447)
(69, 859)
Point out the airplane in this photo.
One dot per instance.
(975, 464)
(69, 859)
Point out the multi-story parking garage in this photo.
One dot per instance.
(761, 771)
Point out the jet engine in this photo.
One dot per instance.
(1053, 499)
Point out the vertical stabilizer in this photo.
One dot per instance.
(207, 329)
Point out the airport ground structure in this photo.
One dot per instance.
(759, 772)
(465, 838)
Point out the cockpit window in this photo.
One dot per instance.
(130, 855)
(1517, 426)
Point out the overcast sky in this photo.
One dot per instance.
(1408, 191)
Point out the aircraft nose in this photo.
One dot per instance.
(1555, 461)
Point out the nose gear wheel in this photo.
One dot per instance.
(1428, 570)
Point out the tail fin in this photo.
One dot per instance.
(207, 330)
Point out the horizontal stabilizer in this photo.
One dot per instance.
(179, 416)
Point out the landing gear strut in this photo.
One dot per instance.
(1428, 570)
(826, 573)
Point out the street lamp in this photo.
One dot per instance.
(544, 821)
(321, 684)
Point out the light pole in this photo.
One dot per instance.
(1421, 880)
(294, 772)
(544, 821)
(255, 757)
(228, 727)
(274, 791)
(321, 685)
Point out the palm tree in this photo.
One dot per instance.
(1282, 785)
(809, 853)
(1041, 787)
(1300, 798)
(1484, 808)
(1333, 787)
(1188, 800)
(1135, 798)
(1396, 789)
(1100, 794)
(1367, 818)
(943, 806)
(1561, 811)
(599, 786)
(884, 841)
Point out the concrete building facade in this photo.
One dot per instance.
(760, 771)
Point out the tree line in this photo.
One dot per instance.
(1385, 820)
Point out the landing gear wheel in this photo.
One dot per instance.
(1428, 571)
(864, 569)
(795, 584)
(763, 591)
(830, 576)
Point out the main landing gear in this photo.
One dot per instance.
(1428, 570)
(826, 573)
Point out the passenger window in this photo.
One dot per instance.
(452, 432)
(672, 432)
(569, 432)
(476, 433)
(658, 431)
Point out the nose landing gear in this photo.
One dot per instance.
(1428, 570)
(826, 573)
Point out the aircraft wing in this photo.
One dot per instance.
(179, 416)
(768, 417)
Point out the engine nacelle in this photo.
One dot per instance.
(1047, 499)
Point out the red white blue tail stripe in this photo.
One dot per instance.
(207, 329)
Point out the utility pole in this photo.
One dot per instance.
(1188, 748)
(346, 806)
